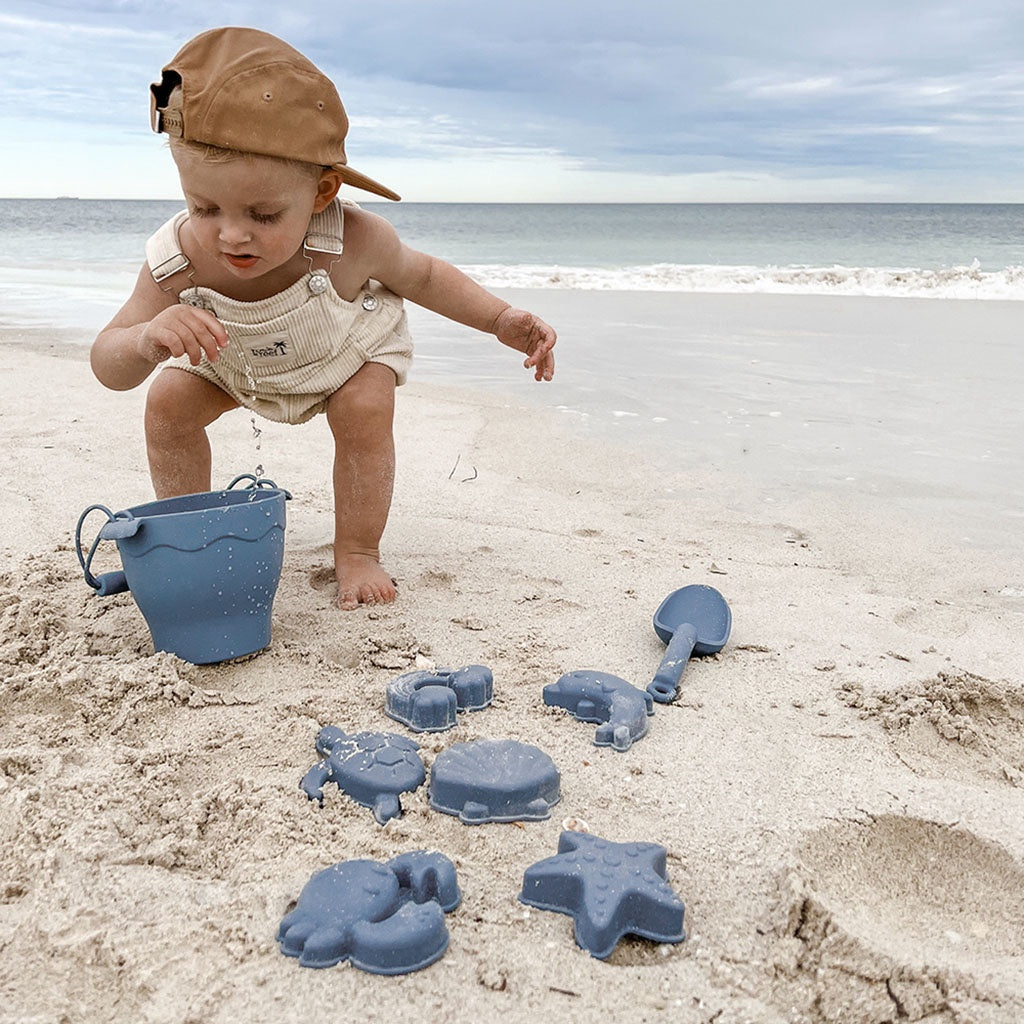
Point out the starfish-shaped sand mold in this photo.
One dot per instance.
(609, 889)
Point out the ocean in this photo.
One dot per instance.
(69, 262)
(827, 394)
(937, 250)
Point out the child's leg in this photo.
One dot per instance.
(179, 407)
(360, 414)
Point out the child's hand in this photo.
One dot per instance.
(528, 333)
(182, 331)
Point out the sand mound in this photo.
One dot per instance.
(954, 721)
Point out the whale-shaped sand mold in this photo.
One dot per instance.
(373, 768)
(609, 889)
(428, 701)
(621, 708)
(494, 780)
(382, 918)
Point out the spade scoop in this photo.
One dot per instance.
(691, 620)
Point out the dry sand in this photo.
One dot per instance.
(840, 791)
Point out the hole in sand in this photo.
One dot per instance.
(901, 919)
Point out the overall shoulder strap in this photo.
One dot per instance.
(327, 229)
(163, 253)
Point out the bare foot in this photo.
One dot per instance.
(361, 580)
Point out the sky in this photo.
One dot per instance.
(560, 100)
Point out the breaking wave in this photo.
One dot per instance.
(966, 282)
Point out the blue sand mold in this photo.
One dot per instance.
(373, 768)
(623, 709)
(609, 889)
(428, 701)
(382, 918)
(494, 780)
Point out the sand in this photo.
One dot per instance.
(840, 791)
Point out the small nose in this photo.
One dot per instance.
(233, 232)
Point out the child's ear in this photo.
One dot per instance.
(326, 190)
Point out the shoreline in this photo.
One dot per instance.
(840, 792)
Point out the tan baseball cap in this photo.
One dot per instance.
(247, 90)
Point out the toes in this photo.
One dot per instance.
(350, 597)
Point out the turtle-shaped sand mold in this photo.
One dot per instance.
(382, 918)
(373, 768)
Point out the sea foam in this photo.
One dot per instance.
(966, 282)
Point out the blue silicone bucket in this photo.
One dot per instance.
(203, 568)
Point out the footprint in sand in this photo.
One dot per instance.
(956, 724)
(322, 579)
(437, 578)
(903, 919)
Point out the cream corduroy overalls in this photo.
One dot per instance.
(289, 353)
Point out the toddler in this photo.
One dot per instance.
(271, 293)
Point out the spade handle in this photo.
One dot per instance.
(665, 684)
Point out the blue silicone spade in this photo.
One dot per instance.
(691, 620)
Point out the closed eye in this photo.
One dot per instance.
(203, 211)
(266, 218)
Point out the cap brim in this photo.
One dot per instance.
(351, 176)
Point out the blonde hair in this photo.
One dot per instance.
(220, 155)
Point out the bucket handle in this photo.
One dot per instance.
(257, 482)
(124, 524)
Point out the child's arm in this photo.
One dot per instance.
(438, 286)
(148, 329)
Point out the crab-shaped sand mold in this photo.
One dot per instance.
(382, 918)
(494, 780)
(609, 889)
(621, 708)
(373, 768)
(428, 701)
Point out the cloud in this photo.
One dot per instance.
(652, 92)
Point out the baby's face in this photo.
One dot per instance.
(250, 214)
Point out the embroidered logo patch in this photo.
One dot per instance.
(268, 346)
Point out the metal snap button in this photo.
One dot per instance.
(370, 303)
(318, 282)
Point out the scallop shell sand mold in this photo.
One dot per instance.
(494, 780)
